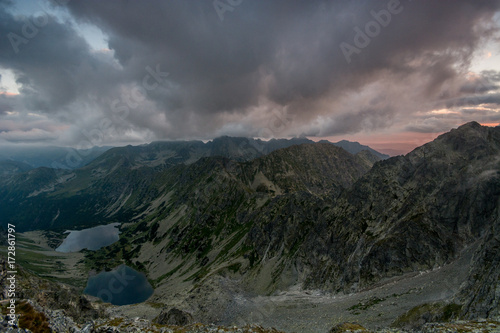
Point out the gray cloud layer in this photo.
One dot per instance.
(269, 68)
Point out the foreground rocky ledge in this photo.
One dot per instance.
(34, 318)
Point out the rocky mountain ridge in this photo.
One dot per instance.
(109, 186)
(309, 215)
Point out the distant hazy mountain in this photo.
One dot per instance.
(356, 147)
(9, 167)
(51, 157)
(246, 149)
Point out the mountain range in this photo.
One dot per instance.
(62, 198)
(282, 213)
(20, 159)
(50, 157)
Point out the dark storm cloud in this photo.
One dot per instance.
(4, 108)
(348, 123)
(227, 75)
(491, 75)
(430, 125)
(482, 115)
(286, 51)
(476, 100)
(478, 87)
(481, 84)
(51, 61)
(5, 104)
(44, 84)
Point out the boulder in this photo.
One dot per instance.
(174, 317)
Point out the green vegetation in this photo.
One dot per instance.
(348, 327)
(156, 305)
(45, 265)
(436, 312)
(451, 311)
(234, 268)
(169, 274)
(30, 319)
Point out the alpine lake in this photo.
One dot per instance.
(121, 286)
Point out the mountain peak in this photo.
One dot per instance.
(356, 147)
(471, 124)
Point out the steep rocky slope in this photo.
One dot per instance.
(409, 213)
(416, 211)
(201, 214)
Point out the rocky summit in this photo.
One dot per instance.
(242, 236)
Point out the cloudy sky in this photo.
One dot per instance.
(391, 74)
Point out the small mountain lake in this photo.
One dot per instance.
(121, 286)
(91, 238)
